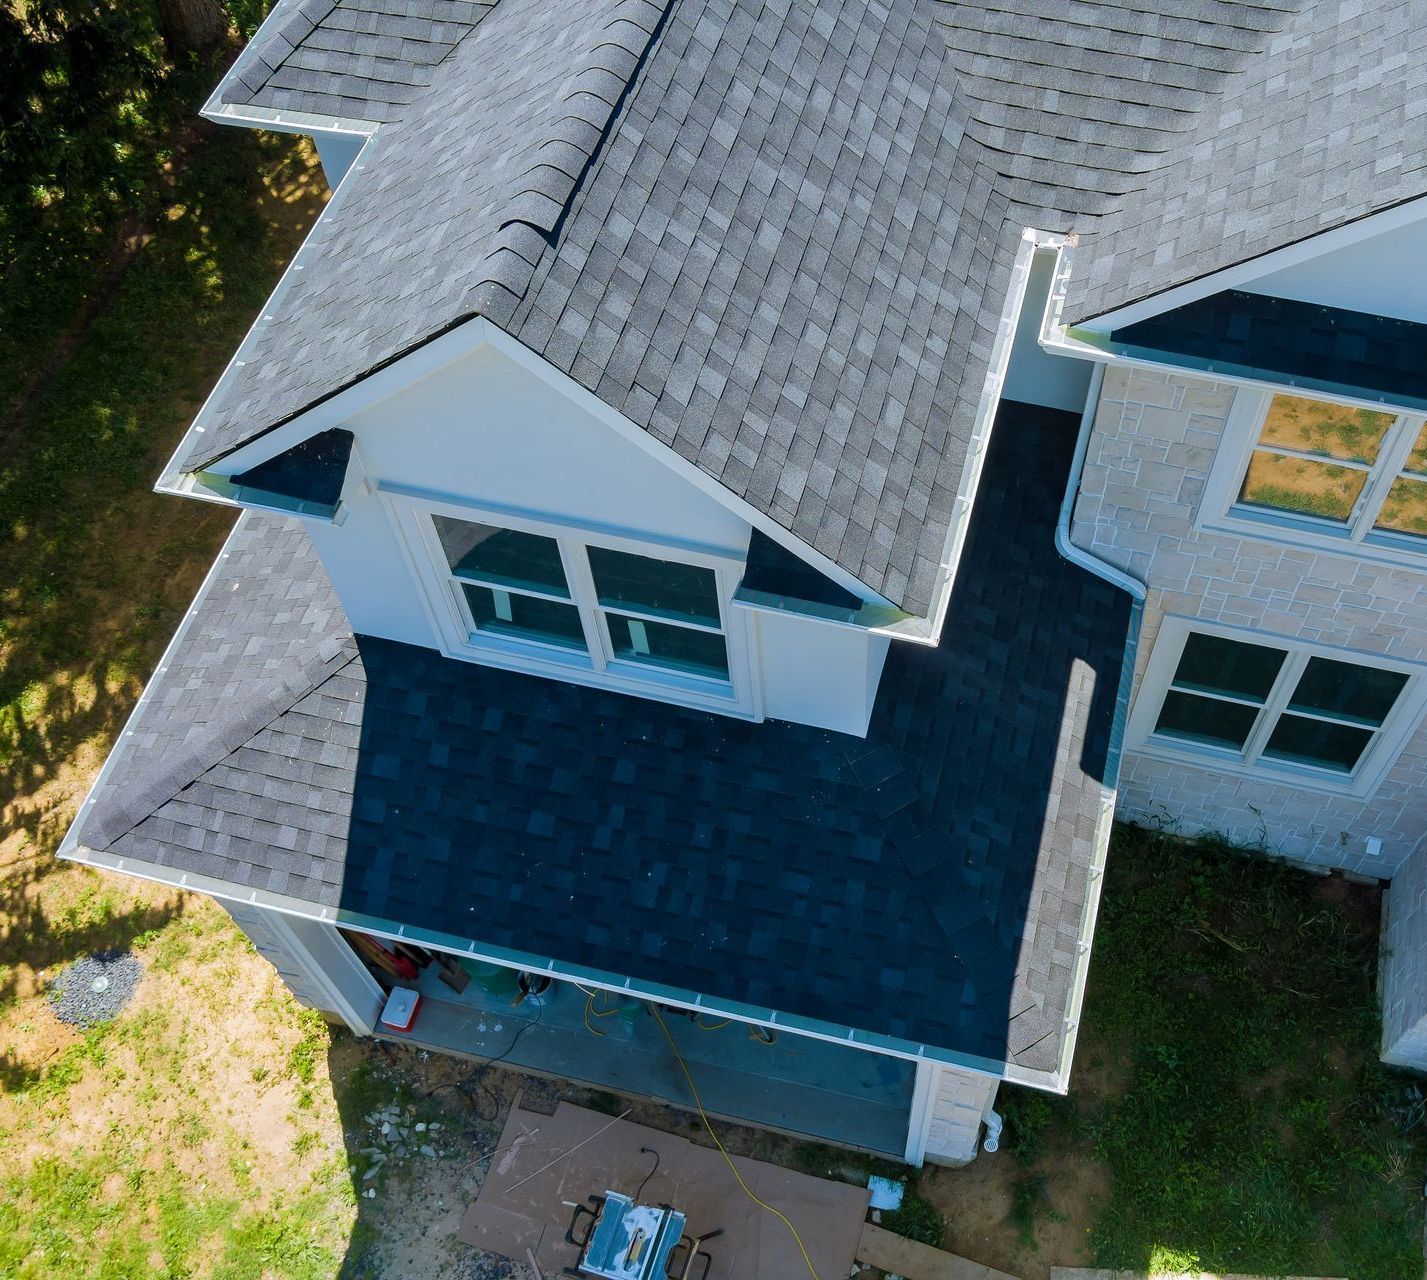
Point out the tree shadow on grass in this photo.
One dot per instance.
(98, 568)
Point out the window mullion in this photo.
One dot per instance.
(1304, 455)
(1275, 704)
(1389, 464)
(582, 593)
(491, 585)
(1233, 699)
(644, 615)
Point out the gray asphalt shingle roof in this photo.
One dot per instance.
(777, 234)
(1328, 126)
(361, 61)
(733, 860)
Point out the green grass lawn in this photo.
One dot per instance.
(1228, 1076)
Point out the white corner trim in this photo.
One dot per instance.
(919, 1122)
(1242, 273)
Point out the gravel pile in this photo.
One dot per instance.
(395, 1135)
(95, 988)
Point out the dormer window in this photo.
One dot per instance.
(532, 596)
(1322, 471)
(512, 583)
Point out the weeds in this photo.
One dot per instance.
(1240, 995)
(1030, 1196)
(917, 1219)
(313, 1040)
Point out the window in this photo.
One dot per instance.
(659, 613)
(543, 598)
(1269, 705)
(1327, 470)
(513, 583)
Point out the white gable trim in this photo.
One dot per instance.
(463, 340)
(1246, 272)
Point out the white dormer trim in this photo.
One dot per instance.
(455, 344)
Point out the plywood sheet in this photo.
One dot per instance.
(515, 1211)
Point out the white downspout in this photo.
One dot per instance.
(1076, 555)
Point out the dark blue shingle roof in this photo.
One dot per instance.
(928, 882)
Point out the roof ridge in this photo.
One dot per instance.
(592, 97)
(209, 748)
(571, 125)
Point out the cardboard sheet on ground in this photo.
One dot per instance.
(515, 1212)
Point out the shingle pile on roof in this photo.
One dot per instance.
(777, 234)
(729, 859)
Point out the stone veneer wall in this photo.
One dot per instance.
(1403, 977)
(960, 1103)
(1149, 457)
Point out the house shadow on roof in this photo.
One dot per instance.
(927, 883)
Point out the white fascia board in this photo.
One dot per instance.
(811, 1028)
(1056, 338)
(1246, 272)
(281, 121)
(221, 112)
(928, 630)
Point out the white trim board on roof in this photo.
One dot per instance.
(1252, 269)
(1061, 339)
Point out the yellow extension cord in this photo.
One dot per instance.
(713, 1133)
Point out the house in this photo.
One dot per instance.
(735, 494)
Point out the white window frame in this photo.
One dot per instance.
(740, 695)
(1221, 511)
(1389, 738)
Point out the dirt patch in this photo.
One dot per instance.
(978, 1204)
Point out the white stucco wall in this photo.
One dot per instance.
(1381, 275)
(1153, 443)
(814, 673)
(486, 430)
(1034, 375)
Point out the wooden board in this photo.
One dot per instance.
(890, 1252)
(516, 1212)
